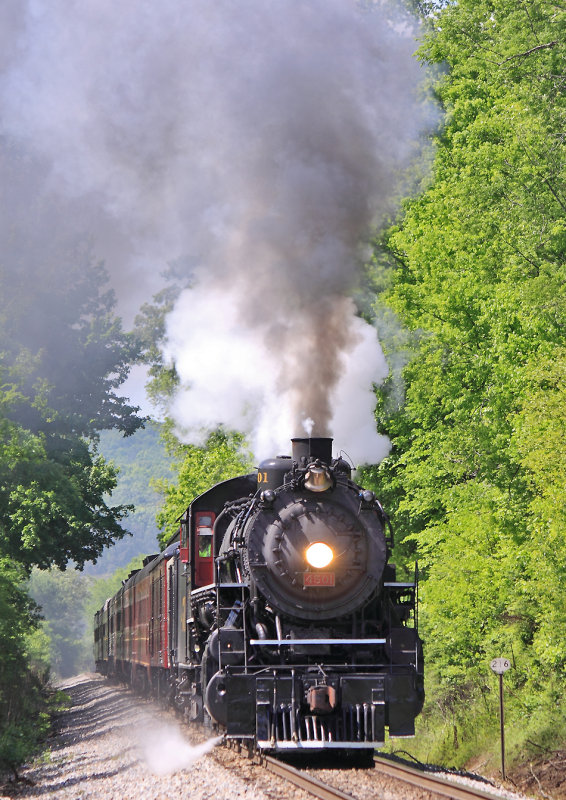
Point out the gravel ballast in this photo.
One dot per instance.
(111, 744)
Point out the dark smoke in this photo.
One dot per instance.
(258, 142)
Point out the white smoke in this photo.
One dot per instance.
(254, 141)
(233, 377)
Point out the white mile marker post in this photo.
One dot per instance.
(500, 666)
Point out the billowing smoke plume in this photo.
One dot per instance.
(256, 142)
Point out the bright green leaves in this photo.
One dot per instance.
(52, 504)
(477, 475)
(475, 562)
(223, 456)
(540, 429)
(538, 442)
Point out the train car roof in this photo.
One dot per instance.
(138, 574)
(150, 563)
(215, 497)
(231, 489)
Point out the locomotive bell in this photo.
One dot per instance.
(317, 478)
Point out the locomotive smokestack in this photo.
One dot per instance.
(312, 448)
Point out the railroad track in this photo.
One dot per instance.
(432, 783)
(316, 787)
(304, 781)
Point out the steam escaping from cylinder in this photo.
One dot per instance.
(165, 750)
(252, 144)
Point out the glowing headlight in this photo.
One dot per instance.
(319, 555)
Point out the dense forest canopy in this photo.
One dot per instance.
(477, 279)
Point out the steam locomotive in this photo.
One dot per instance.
(274, 612)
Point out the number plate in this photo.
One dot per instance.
(319, 579)
(500, 665)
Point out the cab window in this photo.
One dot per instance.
(205, 542)
(204, 556)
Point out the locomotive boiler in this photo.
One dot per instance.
(276, 612)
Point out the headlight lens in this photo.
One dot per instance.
(319, 555)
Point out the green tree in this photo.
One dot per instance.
(23, 717)
(53, 504)
(62, 597)
(63, 356)
(150, 331)
(142, 461)
(198, 468)
(538, 442)
(475, 272)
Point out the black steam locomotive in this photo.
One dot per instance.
(275, 612)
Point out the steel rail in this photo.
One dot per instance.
(432, 783)
(303, 781)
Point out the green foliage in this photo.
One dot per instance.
(67, 601)
(198, 468)
(52, 499)
(142, 462)
(27, 723)
(460, 727)
(61, 597)
(150, 329)
(30, 712)
(538, 442)
(63, 356)
(18, 613)
(475, 406)
(22, 713)
(38, 652)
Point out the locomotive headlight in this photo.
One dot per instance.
(319, 555)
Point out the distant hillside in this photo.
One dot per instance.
(140, 458)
